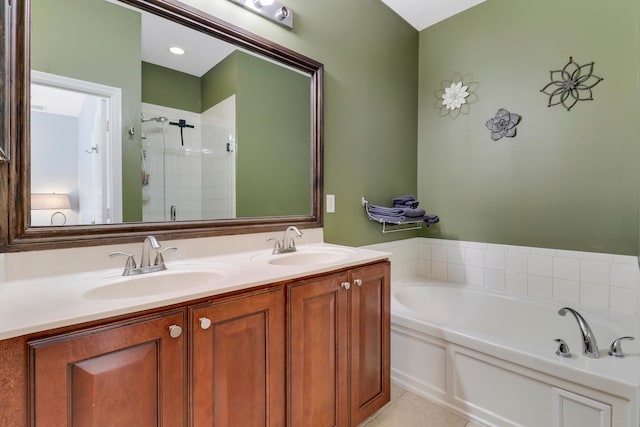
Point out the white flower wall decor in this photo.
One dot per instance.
(456, 95)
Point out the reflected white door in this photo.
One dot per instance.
(76, 147)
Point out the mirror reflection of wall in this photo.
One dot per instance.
(258, 166)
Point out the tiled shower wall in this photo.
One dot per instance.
(594, 280)
(197, 178)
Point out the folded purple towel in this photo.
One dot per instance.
(405, 201)
(397, 211)
(395, 219)
(431, 219)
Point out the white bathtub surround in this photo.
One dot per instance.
(501, 369)
(480, 339)
(586, 279)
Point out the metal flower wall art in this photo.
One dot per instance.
(503, 124)
(456, 95)
(571, 84)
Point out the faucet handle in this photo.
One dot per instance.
(616, 346)
(292, 244)
(159, 258)
(563, 348)
(277, 247)
(129, 265)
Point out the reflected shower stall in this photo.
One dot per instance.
(188, 163)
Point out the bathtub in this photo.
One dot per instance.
(491, 357)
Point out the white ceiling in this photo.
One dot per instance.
(202, 50)
(424, 13)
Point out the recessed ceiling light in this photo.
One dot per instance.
(176, 50)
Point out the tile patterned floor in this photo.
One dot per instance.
(407, 409)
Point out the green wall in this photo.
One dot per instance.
(569, 179)
(371, 76)
(171, 88)
(272, 133)
(58, 23)
(272, 126)
(220, 82)
(274, 139)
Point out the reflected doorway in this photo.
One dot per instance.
(76, 149)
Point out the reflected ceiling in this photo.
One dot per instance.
(202, 51)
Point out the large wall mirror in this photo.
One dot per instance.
(148, 116)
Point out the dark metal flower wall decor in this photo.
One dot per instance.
(503, 124)
(571, 84)
(456, 95)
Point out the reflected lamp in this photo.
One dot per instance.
(51, 201)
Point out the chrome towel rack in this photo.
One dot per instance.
(391, 226)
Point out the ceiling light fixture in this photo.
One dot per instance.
(262, 3)
(270, 9)
(176, 50)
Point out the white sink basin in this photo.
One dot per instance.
(150, 284)
(115, 286)
(307, 256)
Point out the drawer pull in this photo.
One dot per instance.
(346, 285)
(175, 331)
(358, 282)
(205, 322)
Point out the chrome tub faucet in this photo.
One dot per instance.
(589, 344)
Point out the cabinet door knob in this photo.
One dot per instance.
(175, 331)
(346, 285)
(358, 282)
(205, 322)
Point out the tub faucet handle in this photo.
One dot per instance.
(616, 346)
(563, 348)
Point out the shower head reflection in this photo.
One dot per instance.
(161, 119)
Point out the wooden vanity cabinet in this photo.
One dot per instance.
(237, 361)
(306, 353)
(129, 373)
(370, 371)
(317, 356)
(339, 362)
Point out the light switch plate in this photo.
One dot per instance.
(331, 203)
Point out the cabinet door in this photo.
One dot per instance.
(238, 374)
(126, 374)
(370, 323)
(318, 353)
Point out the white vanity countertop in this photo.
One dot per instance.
(38, 304)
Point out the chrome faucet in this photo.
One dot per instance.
(150, 242)
(287, 244)
(589, 344)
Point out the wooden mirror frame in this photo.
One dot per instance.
(15, 175)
